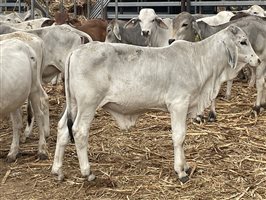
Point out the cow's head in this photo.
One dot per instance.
(239, 49)
(184, 28)
(148, 21)
(113, 32)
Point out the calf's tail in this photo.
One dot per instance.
(69, 126)
(30, 114)
(68, 101)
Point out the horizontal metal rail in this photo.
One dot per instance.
(227, 3)
(140, 4)
(193, 3)
(11, 4)
(111, 15)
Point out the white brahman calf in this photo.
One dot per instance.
(157, 30)
(126, 80)
(53, 58)
(20, 80)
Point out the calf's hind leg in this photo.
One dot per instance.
(36, 99)
(81, 133)
(62, 141)
(16, 119)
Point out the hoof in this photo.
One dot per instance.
(42, 156)
(199, 119)
(188, 171)
(91, 177)
(47, 134)
(22, 139)
(227, 97)
(59, 174)
(11, 159)
(184, 179)
(60, 177)
(212, 117)
(256, 110)
(263, 105)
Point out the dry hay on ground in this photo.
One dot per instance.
(228, 157)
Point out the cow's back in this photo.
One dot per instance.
(17, 62)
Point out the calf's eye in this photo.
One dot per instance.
(184, 25)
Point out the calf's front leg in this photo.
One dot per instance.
(178, 124)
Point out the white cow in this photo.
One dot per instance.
(158, 30)
(38, 46)
(255, 10)
(12, 18)
(58, 42)
(221, 18)
(16, 17)
(30, 24)
(126, 80)
(20, 80)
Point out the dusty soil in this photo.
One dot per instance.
(228, 157)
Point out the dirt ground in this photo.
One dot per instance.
(228, 157)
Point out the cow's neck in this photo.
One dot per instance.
(212, 70)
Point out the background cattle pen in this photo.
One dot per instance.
(228, 157)
(126, 9)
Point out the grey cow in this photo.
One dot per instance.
(128, 80)
(117, 33)
(255, 28)
(184, 28)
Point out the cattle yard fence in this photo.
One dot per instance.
(120, 9)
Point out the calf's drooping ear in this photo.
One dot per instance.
(232, 54)
(117, 32)
(132, 23)
(48, 22)
(160, 23)
(84, 40)
(197, 31)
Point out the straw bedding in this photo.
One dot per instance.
(227, 157)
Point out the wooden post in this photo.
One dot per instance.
(183, 6)
(188, 6)
(47, 8)
(61, 7)
(75, 8)
(116, 9)
(102, 9)
(19, 6)
(88, 9)
(32, 9)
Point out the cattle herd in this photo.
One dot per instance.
(174, 65)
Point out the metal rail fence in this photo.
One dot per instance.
(116, 5)
(4, 5)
